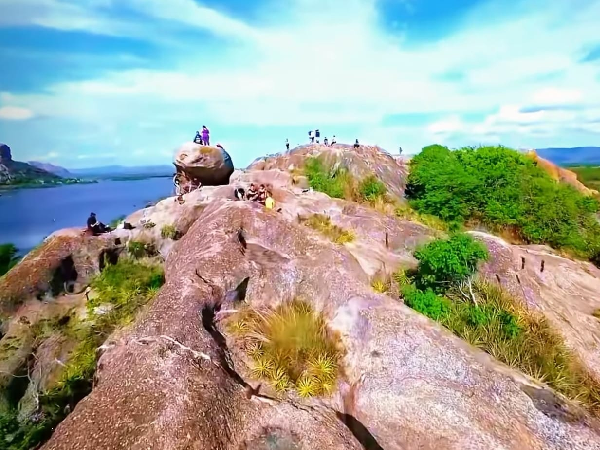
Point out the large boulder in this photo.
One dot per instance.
(212, 166)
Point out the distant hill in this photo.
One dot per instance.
(56, 170)
(123, 171)
(571, 156)
(15, 173)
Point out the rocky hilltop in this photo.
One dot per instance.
(15, 172)
(175, 374)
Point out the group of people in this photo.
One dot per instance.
(202, 138)
(316, 135)
(261, 195)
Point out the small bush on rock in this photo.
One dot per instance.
(323, 224)
(169, 232)
(290, 346)
(371, 189)
(337, 183)
(139, 249)
(444, 263)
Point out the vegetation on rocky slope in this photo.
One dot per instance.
(323, 225)
(290, 346)
(443, 288)
(118, 292)
(505, 191)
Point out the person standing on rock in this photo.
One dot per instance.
(205, 135)
(311, 138)
(326, 142)
(287, 145)
(317, 135)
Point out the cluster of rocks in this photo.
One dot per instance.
(176, 380)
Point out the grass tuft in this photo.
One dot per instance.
(169, 232)
(290, 346)
(323, 224)
(140, 249)
(380, 285)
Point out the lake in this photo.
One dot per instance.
(27, 216)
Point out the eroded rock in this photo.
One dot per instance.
(212, 166)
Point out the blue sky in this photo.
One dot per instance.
(96, 82)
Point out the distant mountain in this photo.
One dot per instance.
(56, 170)
(15, 173)
(571, 156)
(124, 171)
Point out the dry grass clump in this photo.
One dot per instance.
(290, 346)
(322, 223)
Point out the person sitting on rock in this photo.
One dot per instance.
(95, 227)
(262, 194)
(326, 142)
(333, 141)
(356, 145)
(205, 135)
(269, 201)
(239, 193)
(252, 194)
(287, 144)
(198, 138)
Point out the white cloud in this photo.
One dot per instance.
(339, 67)
(15, 113)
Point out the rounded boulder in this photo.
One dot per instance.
(211, 165)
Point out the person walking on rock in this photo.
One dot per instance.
(205, 135)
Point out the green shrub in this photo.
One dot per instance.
(502, 188)
(291, 347)
(139, 249)
(447, 262)
(323, 224)
(335, 183)
(8, 257)
(426, 302)
(169, 232)
(371, 189)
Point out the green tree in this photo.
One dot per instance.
(444, 263)
(502, 188)
(8, 257)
